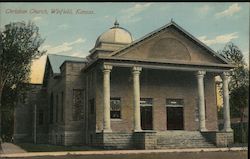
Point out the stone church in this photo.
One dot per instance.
(152, 93)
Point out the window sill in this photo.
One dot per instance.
(116, 119)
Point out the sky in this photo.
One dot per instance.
(72, 28)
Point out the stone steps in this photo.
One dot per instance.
(181, 139)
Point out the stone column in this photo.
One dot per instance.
(226, 107)
(136, 98)
(106, 98)
(201, 100)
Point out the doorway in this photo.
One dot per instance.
(174, 112)
(146, 114)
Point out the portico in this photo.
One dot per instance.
(163, 82)
(135, 71)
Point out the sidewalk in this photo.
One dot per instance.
(115, 152)
(9, 148)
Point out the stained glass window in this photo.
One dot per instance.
(78, 104)
(115, 108)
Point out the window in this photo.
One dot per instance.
(115, 108)
(61, 139)
(92, 106)
(40, 117)
(91, 138)
(57, 108)
(78, 103)
(62, 105)
(146, 109)
(56, 139)
(51, 108)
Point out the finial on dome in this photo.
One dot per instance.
(172, 20)
(116, 24)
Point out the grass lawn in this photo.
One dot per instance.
(29, 147)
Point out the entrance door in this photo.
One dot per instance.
(174, 112)
(175, 118)
(146, 114)
(146, 118)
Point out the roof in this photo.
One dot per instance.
(115, 34)
(158, 64)
(57, 60)
(172, 23)
(165, 61)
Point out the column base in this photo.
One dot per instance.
(203, 130)
(138, 130)
(106, 130)
(227, 129)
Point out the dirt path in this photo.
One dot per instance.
(9, 148)
(205, 153)
(156, 155)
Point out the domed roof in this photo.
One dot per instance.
(115, 34)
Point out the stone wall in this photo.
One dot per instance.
(119, 140)
(224, 139)
(220, 138)
(91, 104)
(42, 128)
(42, 138)
(152, 140)
(24, 114)
(74, 80)
(145, 140)
(65, 130)
(55, 86)
(114, 140)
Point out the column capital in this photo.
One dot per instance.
(106, 67)
(225, 75)
(200, 73)
(136, 69)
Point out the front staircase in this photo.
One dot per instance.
(182, 139)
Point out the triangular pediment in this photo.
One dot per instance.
(171, 43)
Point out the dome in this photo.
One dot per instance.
(114, 35)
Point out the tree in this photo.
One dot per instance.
(20, 43)
(239, 81)
(240, 74)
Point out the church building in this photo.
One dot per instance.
(156, 92)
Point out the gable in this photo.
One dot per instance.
(47, 72)
(54, 62)
(171, 44)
